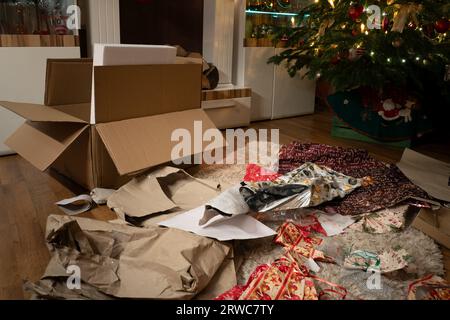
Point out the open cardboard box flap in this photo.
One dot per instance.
(68, 81)
(42, 143)
(141, 143)
(40, 113)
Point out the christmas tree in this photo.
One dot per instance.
(374, 43)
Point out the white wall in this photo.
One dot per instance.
(103, 19)
(218, 36)
(22, 79)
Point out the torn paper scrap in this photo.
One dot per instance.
(363, 260)
(133, 263)
(430, 174)
(100, 195)
(386, 262)
(229, 203)
(140, 197)
(76, 205)
(284, 279)
(430, 287)
(307, 186)
(298, 243)
(256, 173)
(385, 221)
(334, 224)
(393, 260)
(241, 227)
(160, 191)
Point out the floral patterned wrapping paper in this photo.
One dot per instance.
(386, 262)
(389, 185)
(363, 260)
(306, 186)
(285, 280)
(297, 240)
(429, 288)
(288, 278)
(380, 222)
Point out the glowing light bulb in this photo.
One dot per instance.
(403, 61)
(417, 58)
(372, 53)
(389, 60)
(363, 27)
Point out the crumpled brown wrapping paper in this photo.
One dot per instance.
(120, 261)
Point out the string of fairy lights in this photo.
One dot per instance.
(416, 58)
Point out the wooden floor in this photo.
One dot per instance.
(27, 198)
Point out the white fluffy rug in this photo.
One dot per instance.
(425, 255)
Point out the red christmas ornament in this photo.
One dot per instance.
(355, 12)
(442, 25)
(355, 32)
(335, 60)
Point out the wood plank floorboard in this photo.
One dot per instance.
(27, 198)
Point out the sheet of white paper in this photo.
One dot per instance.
(76, 205)
(229, 202)
(334, 224)
(240, 227)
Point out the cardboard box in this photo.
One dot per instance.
(127, 54)
(137, 109)
(436, 224)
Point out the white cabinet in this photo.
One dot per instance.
(259, 76)
(292, 96)
(22, 79)
(275, 94)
